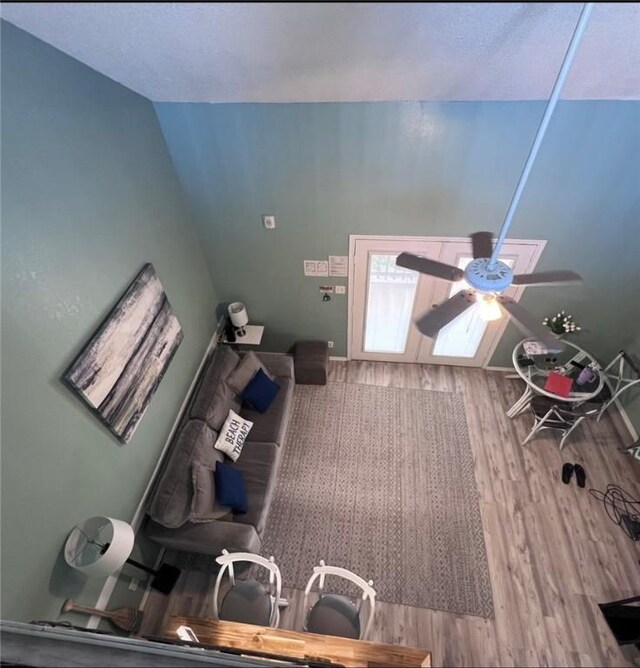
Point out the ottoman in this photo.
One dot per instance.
(310, 360)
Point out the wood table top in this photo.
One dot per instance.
(299, 644)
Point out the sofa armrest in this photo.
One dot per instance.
(278, 364)
(206, 537)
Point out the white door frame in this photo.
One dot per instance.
(538, 248)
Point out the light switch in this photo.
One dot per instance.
(341, 289)
(269, 222)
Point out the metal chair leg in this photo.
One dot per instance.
(537, 425)
(604, 409)
(566, 434)
(521, 404)
(532, 433)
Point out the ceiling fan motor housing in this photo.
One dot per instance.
(482, 277)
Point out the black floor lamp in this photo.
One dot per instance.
(102, 545)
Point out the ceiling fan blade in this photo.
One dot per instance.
(558, 277)
(527, 323)
(482, 243)
(439, 316)
(431, 267)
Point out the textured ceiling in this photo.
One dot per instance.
(311, 52)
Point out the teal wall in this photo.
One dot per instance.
(328, 170)
(88, 196)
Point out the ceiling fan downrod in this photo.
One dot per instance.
(544, 124)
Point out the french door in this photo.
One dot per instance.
(386, 299)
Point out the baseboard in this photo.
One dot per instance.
(499, 368)
(136, 521)
(337, 359)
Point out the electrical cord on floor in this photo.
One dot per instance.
(621, 508)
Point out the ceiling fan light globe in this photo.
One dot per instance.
(489, 308)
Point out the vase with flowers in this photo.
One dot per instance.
(561, 323)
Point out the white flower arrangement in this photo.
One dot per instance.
(561, 323)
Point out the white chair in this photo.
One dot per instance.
(248, 601)
(562, 417)
(337, 615)
(620, 375)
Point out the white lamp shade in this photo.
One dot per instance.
(238, 314)
(100, 546)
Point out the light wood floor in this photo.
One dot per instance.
(553, 554)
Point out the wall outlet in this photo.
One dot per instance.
(269, 222)
(133, 585)
(341, 289)
(330, 344)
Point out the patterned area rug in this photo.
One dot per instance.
(381, 481)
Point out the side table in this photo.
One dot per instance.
(252, 337)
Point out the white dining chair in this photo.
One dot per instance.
(248, 601)
(563, 417)
(620, 375)
(337, 615)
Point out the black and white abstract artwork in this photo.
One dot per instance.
(121, 366)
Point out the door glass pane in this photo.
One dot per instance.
(390, 295)
(462, 336)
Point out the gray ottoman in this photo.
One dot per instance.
(311, 359)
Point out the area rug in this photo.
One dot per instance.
(381, 481)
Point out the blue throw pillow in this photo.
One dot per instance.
(230, 489)
(260, 392)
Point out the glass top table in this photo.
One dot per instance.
(534, 367)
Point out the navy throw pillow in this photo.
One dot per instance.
(260, 392)
(230, 488)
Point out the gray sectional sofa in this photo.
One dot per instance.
(171, 520)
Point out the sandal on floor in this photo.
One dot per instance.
(581, 476)
(567, 472)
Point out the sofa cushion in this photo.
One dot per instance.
(171, 501)
(204, 507)
(245, 371)
(258, 464)
(277, 364)
(214, 397)
(224, 400)
(271, 426)
(207, 538)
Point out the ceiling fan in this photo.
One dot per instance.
(486, 275)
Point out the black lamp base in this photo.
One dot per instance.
(165, 578)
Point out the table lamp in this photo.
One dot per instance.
(102, 545)
(239, 317)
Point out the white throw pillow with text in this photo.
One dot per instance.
(233, 435)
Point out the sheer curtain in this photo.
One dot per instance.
(389, 304)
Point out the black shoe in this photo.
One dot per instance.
(581, 476)
(567, 472)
